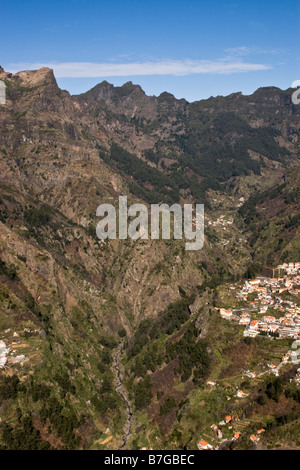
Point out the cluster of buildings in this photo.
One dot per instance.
(290, 268)
(7, 353)
(270, 296)
(228, 420)
(203, 445)
(274, 311)
(3, 354)
(220, 221)
(256, 437)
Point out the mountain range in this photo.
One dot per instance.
(115, 337)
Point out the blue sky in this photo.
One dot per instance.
(193, 49)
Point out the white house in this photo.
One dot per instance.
(203, 445)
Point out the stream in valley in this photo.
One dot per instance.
(123, 394)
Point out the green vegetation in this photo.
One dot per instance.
(192, 355)
(38, 217)
(142, 173)
(24, 437)
(143, 393)
(167, 405)
(9, 270)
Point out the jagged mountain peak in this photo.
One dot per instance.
(165, 96)
(109, 93)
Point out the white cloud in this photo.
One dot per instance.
(246, 51)
(163, 67)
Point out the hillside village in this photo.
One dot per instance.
(13, 346)
(271, 311)
(274, 311)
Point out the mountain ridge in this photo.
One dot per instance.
(74, 299)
